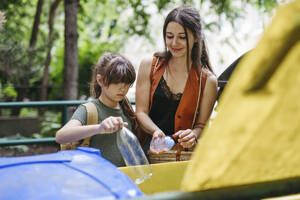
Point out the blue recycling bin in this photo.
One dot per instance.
(74, 174)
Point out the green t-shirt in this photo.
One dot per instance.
(107, 143)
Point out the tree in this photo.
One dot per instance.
(45, 79)
(71, 50)
(36, 23)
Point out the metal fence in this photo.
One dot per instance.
(62, 105)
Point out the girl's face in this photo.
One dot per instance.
(176, 40)
(115, 92)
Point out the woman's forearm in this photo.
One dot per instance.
(197, 132)
(146, 123)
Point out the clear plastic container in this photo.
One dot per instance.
(162, 144)
(133, 156)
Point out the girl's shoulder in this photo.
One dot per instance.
(95, 101)
(90, 104)
(98, 107)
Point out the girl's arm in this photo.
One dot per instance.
(74, 130)
(188, 138)
(142, 98)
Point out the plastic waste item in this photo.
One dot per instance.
(72, 174)
(133, 156)
(162, 144)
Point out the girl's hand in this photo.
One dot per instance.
(111, 124)
(186, 138)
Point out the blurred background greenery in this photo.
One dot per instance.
(36, 65)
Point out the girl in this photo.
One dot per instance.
(112, 77)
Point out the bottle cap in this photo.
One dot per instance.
(169, 142)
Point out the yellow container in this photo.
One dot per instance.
(165, 177)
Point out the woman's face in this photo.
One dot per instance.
(176, 40)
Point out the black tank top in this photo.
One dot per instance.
(164, 106)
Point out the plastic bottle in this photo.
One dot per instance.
(162, 144)
(133, 156)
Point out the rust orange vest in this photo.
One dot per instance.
(189, 104)
(187, 110)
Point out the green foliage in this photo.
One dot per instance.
(233, 10)
(5, 4)
(19, 65)
(19, 15)
(56, 72)
(160, 4)
(140, 18)
(7, 92)
(265, 5)
(28, 112)
(18, 148)
(103, 25)
(50, 124)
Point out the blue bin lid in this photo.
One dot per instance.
(73, 174)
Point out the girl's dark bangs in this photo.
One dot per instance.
(120, 73)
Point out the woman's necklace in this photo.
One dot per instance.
(175, 79)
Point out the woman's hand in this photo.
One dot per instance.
(156, 134)
(186, 138)
(111, 124)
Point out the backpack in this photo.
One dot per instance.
(92, 118)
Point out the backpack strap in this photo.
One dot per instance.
(92, 118)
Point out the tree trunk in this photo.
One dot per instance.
(36, 23)
(45, 80)
(71, 51)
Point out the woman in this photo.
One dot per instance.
(176, 89)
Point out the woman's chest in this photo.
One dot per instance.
(176, 83)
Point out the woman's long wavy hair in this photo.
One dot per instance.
(189, 18)
(114, 68)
